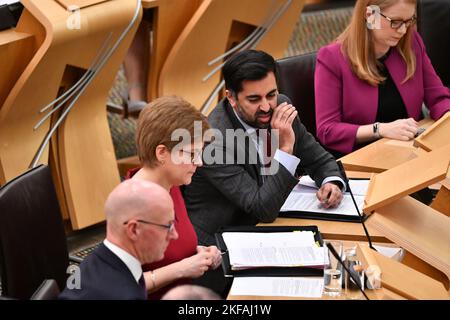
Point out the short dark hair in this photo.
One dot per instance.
(247, 65)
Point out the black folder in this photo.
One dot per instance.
(267, 271)
(322, 216)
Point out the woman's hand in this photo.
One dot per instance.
(196, 265)
(402, 129)
(216, 254)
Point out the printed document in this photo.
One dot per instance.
(305, 287)
(273, 249)
(303, 198)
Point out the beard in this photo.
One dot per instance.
(254, 122)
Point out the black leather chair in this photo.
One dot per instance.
(48, 290)
(32, 239)
(296, 80)
(433, 24)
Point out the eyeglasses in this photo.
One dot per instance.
(397, 24)
(170, 226)
(195, 156)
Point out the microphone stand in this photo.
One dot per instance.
(342, 170)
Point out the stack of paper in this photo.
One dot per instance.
(275, 249)
(303, 199)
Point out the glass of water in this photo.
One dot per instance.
(332, 272)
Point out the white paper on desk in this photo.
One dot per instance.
(274, 249)
(2, 2)
(390, 252)
(304, 287)
(304, 199)
(359, 186)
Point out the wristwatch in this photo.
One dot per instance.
(376, 130)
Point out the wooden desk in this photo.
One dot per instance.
(333, 229)
(405, 280)
(382, 154)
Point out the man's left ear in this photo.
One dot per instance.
(132, 231)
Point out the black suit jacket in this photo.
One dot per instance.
(236, 194)
(105, 277)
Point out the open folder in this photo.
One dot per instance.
(303, 203)
(271, 251)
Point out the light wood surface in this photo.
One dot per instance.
(333, 229)
(436, 136)
(402, 280)
(16, 51)
(170, 17)
(211, 28)
(442, 201)
(84, 154)
(418, 228)
(79, 3)
(382, 154)
(407, 178)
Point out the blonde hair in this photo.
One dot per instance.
(357, 45)
(159, 119)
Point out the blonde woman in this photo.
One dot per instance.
(170, 161)
(373, 80)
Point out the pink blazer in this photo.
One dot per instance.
(344, 102)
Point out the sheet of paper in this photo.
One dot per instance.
(305, 287)
(282, 249)
(8, 1)
(359, 187)
(390, 252)
(304, 199)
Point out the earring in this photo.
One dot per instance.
(161, 162)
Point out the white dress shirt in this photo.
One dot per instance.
(289, 161)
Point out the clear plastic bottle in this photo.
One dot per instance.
(352, 291)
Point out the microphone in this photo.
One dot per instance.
(347, 183)
(352, 273)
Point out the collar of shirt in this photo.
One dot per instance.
(249, 129)
(130, 261)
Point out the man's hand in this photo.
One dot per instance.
(282, 119)
(329, 195)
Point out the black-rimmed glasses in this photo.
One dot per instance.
(397, 24)
(170, 226)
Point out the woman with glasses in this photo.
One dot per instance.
(373, 80)
(169, 142)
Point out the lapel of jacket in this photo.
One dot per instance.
(252, 169)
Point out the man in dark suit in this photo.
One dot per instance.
(140, 224)
(244, 191)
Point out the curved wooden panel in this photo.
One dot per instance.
(207, 35)
(170, 18)
(84, 150)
